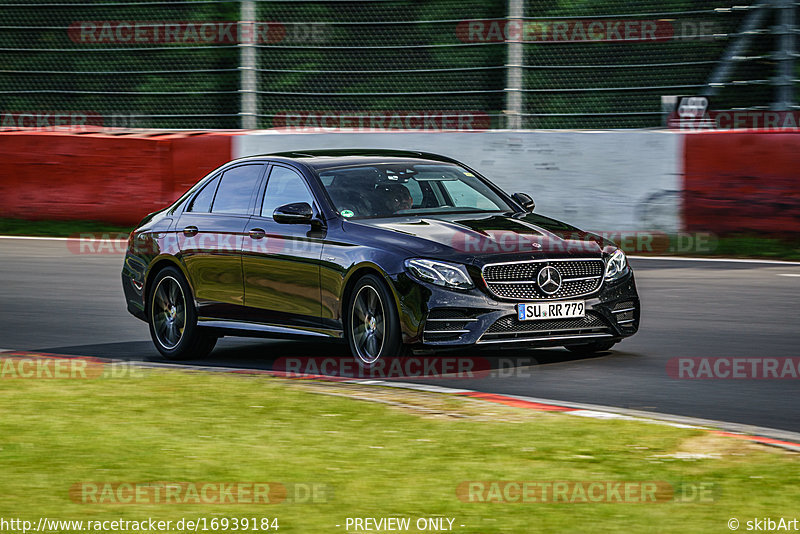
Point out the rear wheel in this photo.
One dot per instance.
(591, 348)
(372, 323)
(173, 318)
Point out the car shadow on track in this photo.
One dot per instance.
(302, 358)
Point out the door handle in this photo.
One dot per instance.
(257, 233)
(190, 231)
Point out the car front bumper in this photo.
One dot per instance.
(438, 318)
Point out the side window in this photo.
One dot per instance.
(236, 189)
(201, 203)
(284, 186)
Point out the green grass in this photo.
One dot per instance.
(57, 228)
(380, 460)
(758, 247)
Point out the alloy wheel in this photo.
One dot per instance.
(169, 312)
(368, 322)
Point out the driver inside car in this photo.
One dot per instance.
(397, 197)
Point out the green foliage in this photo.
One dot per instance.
(340, 56)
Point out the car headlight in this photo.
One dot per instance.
(440, 273)
(617, 266)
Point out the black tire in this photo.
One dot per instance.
(591, 348)
(173, 318)
(371, 321)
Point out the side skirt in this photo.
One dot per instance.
(245, 328)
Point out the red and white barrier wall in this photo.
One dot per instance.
(721, 182)
(98, 176)
(742, 182)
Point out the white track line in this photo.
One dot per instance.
(33, 238)
(586, 410)
(726, 260)
(786, 274)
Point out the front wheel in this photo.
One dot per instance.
(173, 318)
(372, 323)
(591, 348)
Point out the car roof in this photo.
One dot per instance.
(325, 159)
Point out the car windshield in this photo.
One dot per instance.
(387, 190)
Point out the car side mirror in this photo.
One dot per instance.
(294, 213)
(524, 200)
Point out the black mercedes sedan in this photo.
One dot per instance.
(390, 250)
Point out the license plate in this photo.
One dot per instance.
(551, 310)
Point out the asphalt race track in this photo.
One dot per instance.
(54, 300)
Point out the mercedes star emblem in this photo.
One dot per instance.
(549, 280)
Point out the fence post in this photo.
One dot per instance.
(784, 81)
(247, 65)
(513, 65)
(737, 48)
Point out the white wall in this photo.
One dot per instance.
(597, 180)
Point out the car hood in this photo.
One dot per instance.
(483, 238)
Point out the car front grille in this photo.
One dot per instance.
(519, 280)
(509, 327)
